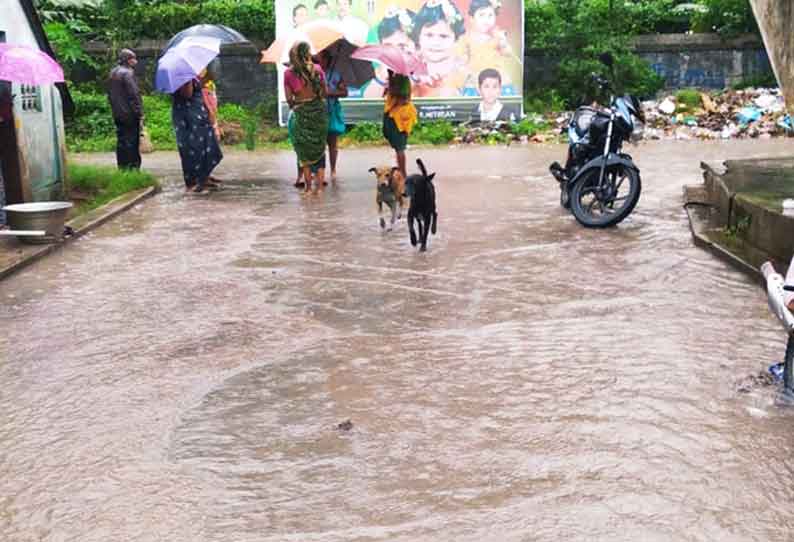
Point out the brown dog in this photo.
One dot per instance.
(391, 191)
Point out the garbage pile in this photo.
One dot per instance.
(749, 113)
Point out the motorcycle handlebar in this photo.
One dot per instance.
(600, 81)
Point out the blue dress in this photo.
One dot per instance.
(198, 149)
(336, 119)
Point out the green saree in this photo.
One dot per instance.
(310, 131)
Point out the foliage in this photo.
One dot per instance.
(250, 127)
(68, 47)
(435, 132)
(91, 128)
(529, 127)
(728, 18)
(102, 184)
(543, 100)
(365, 132)
(577, 32)
(688, 99)
(253, 18)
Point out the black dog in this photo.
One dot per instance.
(423, 206)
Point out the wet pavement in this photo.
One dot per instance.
(180, 373)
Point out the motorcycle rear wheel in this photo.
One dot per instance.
(594, 208)
(788, 365)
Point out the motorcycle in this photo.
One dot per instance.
(600, 184)
(779, 301)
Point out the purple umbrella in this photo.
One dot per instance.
(184, 62)
(22, 64)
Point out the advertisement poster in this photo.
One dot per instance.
(473, 50)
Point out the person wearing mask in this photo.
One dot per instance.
(127, 109)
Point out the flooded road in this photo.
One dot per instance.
(180, 373)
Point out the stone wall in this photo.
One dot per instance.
(241, 79)
(696, 60)
(683, 60)
(703, 60)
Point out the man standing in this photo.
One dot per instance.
(125, 102)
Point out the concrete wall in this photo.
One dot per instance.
(240, 77)
(703, 60)
(683, 60)
(39, 133)
(730, 191)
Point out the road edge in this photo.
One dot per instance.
(81, 225)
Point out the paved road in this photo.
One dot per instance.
(180, 373)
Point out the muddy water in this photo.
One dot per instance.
(180, 373)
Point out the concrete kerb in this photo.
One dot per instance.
(716, 202)
(719, 251)
(81, 225)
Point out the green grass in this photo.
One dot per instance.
(102, 184)
(689, 98)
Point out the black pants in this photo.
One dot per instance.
(128, 135)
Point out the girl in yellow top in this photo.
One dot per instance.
(399, 115)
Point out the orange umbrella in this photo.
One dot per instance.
(318, 34)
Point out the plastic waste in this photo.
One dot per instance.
(667, 106)
(748, 114)
(766, 101)
(785, 123)
(776, 370)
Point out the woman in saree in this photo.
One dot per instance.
(304, 85)
(198, 148)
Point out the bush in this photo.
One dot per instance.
(529, 127)
(435, 132)
(688, 99)
(726, 17)
(577, 32)
(542, 101)
(365, 132)
(253, 18)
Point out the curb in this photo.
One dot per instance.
(103, 214)
(719, 251)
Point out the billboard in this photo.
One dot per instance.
(473, 50)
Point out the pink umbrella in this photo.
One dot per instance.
(22, 64)
(392, 57)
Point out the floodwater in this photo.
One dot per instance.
(179, 374)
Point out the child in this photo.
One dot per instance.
(321, 9)
(300, 14)
(394, 29)
(437, 28)
(399, 115)
(485, 44)
(490, 108)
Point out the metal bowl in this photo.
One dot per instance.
(49, 216)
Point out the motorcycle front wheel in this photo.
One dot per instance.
(609, 204)
(788, 365)
(565, 197)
